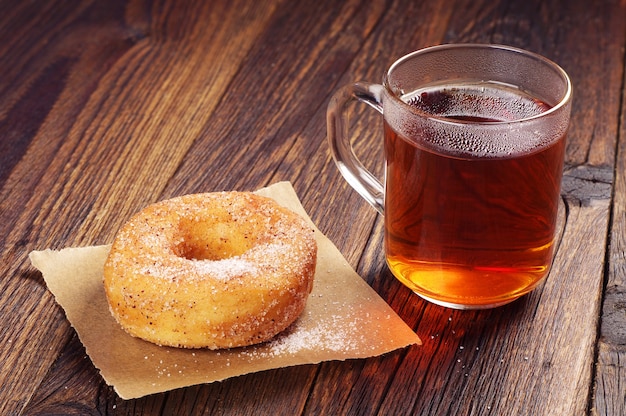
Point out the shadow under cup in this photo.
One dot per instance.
(474, 140)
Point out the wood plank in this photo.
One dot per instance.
(89, 165)
(215, 147)
(284, 82)
(610, 382)
(523, 379)
(609, 396)
(35, 85)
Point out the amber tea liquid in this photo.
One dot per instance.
(471, 223)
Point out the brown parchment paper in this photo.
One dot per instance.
(344, 319)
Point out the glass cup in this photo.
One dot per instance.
(474, 141)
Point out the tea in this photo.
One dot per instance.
(471, 222)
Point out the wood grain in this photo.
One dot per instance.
(114, 148)
(610, 383)
(108, 106)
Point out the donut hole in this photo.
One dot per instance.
(210, 240)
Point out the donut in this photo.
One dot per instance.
(212, 270)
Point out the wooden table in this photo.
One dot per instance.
(107, 106)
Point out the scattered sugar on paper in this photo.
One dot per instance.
(318, 337)
(335, 334)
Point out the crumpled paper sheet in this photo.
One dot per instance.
(344, 319)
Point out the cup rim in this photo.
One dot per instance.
(564, 101)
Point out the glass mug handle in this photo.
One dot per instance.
(354, 172)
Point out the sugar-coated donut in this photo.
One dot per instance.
(213, 270)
